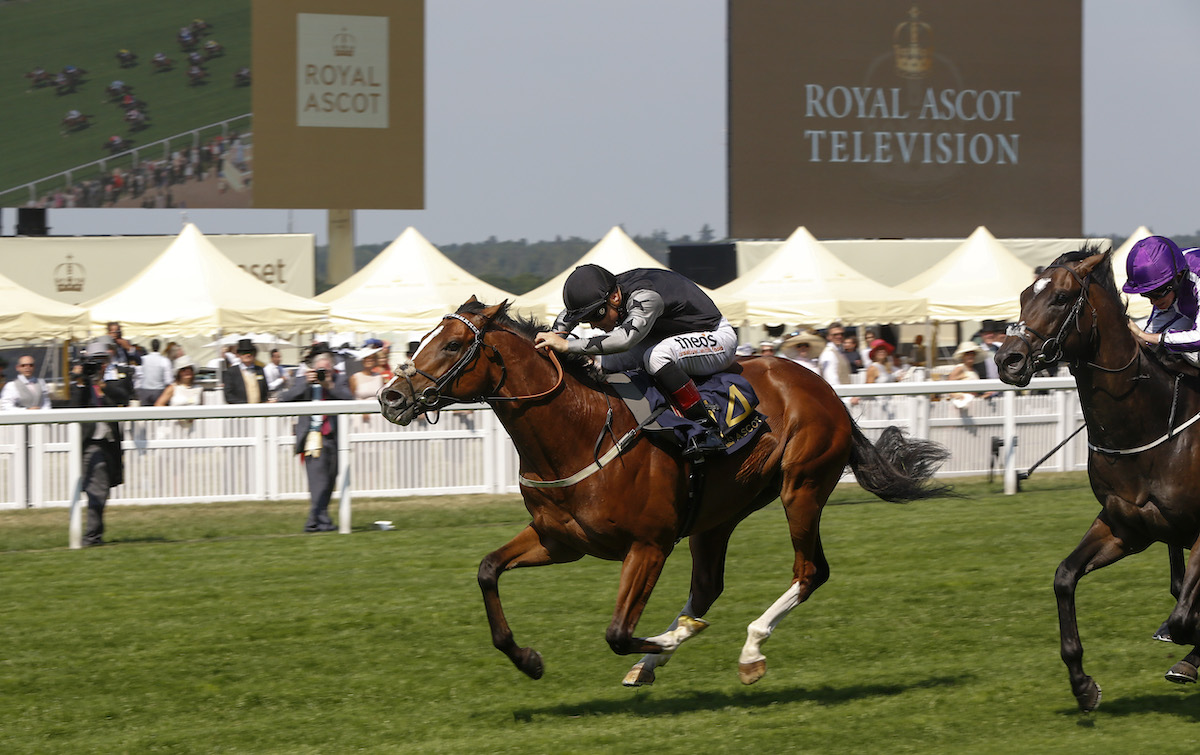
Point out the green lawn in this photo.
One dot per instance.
(87, 34)
(217, 628)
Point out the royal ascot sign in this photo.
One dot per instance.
(902, 119)
(341, 71)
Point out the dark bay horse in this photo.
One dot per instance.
(633, 509)
(1144, 460)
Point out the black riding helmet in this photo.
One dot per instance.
(585, 293)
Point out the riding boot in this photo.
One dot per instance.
(684, 395)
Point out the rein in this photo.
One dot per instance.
(1051, 351)
(433, 399)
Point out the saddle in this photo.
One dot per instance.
(730, 393)
(1173, 362)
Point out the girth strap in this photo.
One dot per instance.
(620, 447)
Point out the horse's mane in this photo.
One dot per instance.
(578, 364)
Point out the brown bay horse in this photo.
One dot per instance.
(1144, 453)
(634, 508)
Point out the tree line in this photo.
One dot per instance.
(519, 266)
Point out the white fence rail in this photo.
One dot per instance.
(245, 452)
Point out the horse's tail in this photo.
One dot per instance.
(897, 468)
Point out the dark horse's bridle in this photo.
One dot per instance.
(433, 398)
(1050, 352)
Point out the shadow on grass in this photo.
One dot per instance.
(648, 704)
(1179, 704)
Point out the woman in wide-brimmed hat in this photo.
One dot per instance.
(803, 348)
(968, 354)
(880, 368)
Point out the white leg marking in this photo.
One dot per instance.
(760, 629)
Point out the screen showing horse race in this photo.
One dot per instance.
(894, 118)
(212, 103)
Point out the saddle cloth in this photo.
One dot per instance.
(728, 392)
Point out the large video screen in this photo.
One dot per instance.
(893, 118)
(212, 103)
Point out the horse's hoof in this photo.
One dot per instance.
(750, 673)
(694, 626)
(1182, 673)
(530, 662)
(1089, 696)
(1163, 634)
(638, 676)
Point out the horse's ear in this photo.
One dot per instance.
(492, 311)
(1090, 263)
(472, 300)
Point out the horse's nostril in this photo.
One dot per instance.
(392, 397)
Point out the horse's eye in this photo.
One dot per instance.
(453, 347)
(1061, 297)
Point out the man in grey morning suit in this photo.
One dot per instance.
(317, 436)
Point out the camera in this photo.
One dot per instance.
(92, 367)
(321, 374)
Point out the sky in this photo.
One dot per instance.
(547, 118)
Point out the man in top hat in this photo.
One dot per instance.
(99, 381)
(245, 382)
(991, 332)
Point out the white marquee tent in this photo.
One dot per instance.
(979, 280)
(802, 282)
(28, 316)
(409, 286)
(193, 289)
(617, 253)
(1139, 306)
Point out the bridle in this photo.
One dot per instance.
(434, 398)
(1050, 352)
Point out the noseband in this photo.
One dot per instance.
(433, 398)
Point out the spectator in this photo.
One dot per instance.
(991, 332)
(157, 374)
(801, 348)
(184, 391)
(245, 382)
(366, 383)
(968, 354)
(880, 369)
(744, 350)
(835, 367)
(767, 348)
(850, 348)
(317, 437)
(383, 365)
(27, 391)
(100, 381)
(121, 352)
(273, 373)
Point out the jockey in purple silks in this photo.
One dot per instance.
(1158, 270)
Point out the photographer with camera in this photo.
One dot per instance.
(317, 435)
(98, 381)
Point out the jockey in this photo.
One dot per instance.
(160, 57)
(73, 115)
(654, 319)
(1157, 270)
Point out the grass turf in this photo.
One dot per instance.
(87, 34)
(212, 628)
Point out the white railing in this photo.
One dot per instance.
(131, 157)
(245, 452)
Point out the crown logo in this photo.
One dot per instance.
(343, 44)
(912, 45)
(69, 276)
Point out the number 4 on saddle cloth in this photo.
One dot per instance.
(728, 393)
